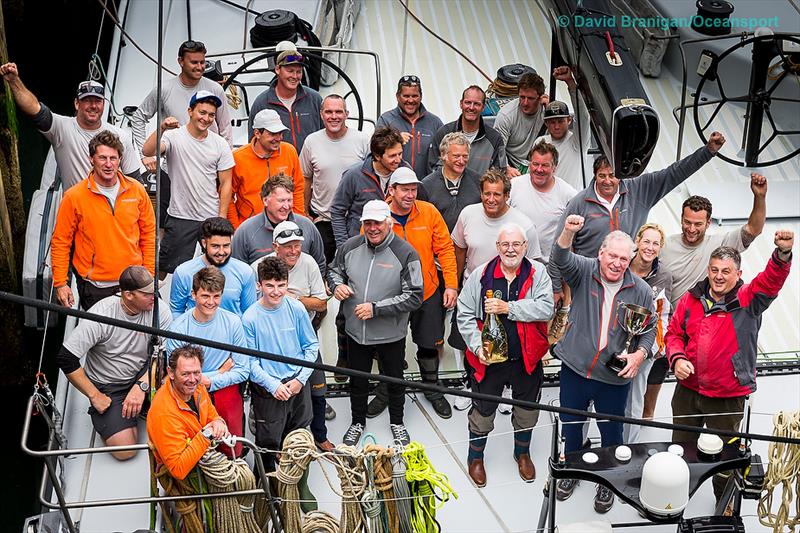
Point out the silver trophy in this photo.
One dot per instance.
(636, 320)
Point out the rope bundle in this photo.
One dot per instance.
(382, 471)
(430, 488)
(353, 482)
(783, 471)
(297, 454)
(190, 510)
(232, 514)
(402, 492)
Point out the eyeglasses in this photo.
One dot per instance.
(289, 233)
(295, 58)
(191, 46)
(515, 245)
(409, 80)
(88, 87)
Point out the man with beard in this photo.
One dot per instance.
(523, 302)
(114, 377)
(70, 136)
(599, 287)
(415, 123)
(421, 225)
(183, 420)
(520, 121)
(686, 254)
(377, 277)
(326, 155)
(365, 182)
(240, 283)
(255, 237)
(266, 155)
(200, 163)
(223, 370)
(453, 186)
(486, 148)
(297, 105)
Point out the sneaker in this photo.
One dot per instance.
(353, 434)
(376, 406)
(440, 405)
(330, 414)
(462, 403)
(565, 488)
(603, 500)
(400, 434)
(504, 408)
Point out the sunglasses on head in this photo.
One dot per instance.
(409, 79)
(87, 87)
(289, 233)
(296, 58)
(191, 46)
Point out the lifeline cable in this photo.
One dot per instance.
(725, 434)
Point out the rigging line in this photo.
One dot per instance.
(131, 39)
(31, 302)
(444, 41)
(100, 31)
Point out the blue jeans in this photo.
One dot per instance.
(576, 392)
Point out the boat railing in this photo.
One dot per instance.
(254, 57)
(54, 452)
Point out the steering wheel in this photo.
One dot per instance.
(353, 90)
(758, 101)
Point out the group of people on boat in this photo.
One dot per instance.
(403, 226)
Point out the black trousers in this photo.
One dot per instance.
(328, 241)
(390, 358)
(88, 294)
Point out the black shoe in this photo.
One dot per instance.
(440, 405)
(330, 414)
(565, 488)
(353, 434)
(376, 406)
(603, 500)
(400, 434)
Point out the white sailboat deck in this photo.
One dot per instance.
(491, 33)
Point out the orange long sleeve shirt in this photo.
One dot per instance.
(174, 429)
(250, 173)
(108, 238)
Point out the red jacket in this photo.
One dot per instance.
(720, 338)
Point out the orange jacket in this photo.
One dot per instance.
(250, 173)
(174, 429)
(426, 231)
(108, 239)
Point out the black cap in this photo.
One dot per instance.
(556, 109)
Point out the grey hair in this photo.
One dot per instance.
(726, 252)
(508, 227)
(618, 236)
(454, 137)
(334, 96)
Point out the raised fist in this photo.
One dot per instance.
(573, 223)
(715, 142)
(784, 240)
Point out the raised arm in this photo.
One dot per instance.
(758, 215)
(24, 98)
(149, 146)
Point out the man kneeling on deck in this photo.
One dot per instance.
(182, 420)
(523, 302)
(114, 375)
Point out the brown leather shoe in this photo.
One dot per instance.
(477, 473)
(526, 469)
(326, 446)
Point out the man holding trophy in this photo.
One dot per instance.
(609, 337)
(502, 314)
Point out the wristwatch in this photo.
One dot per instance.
(142, 385)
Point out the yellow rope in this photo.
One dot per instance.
(430, 488)
(783, 471)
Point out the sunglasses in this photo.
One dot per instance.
(87, 87)
(289, 233)
(409, 80)
(296, 58)
(191, 46)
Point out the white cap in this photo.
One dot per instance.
(268, 119)
(376, 210)
(287, 231)
(403, 176)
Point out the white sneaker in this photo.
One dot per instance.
(504, 408)
(462, 403)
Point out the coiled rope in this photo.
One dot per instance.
(191, 511)
(297, 454)
(402, 492)
(430, 488)
(370, 498)
(232, 514)
(384, 483)
(349, 463)
(783, 471)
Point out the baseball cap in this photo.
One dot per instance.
(287, 231)
(200, 96)
(556, 109)
(268, 119)
(136, 278)
(90, 88)
(376, 210)
(289, 57)
(403, 176)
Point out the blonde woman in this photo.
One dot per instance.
(646, 385)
